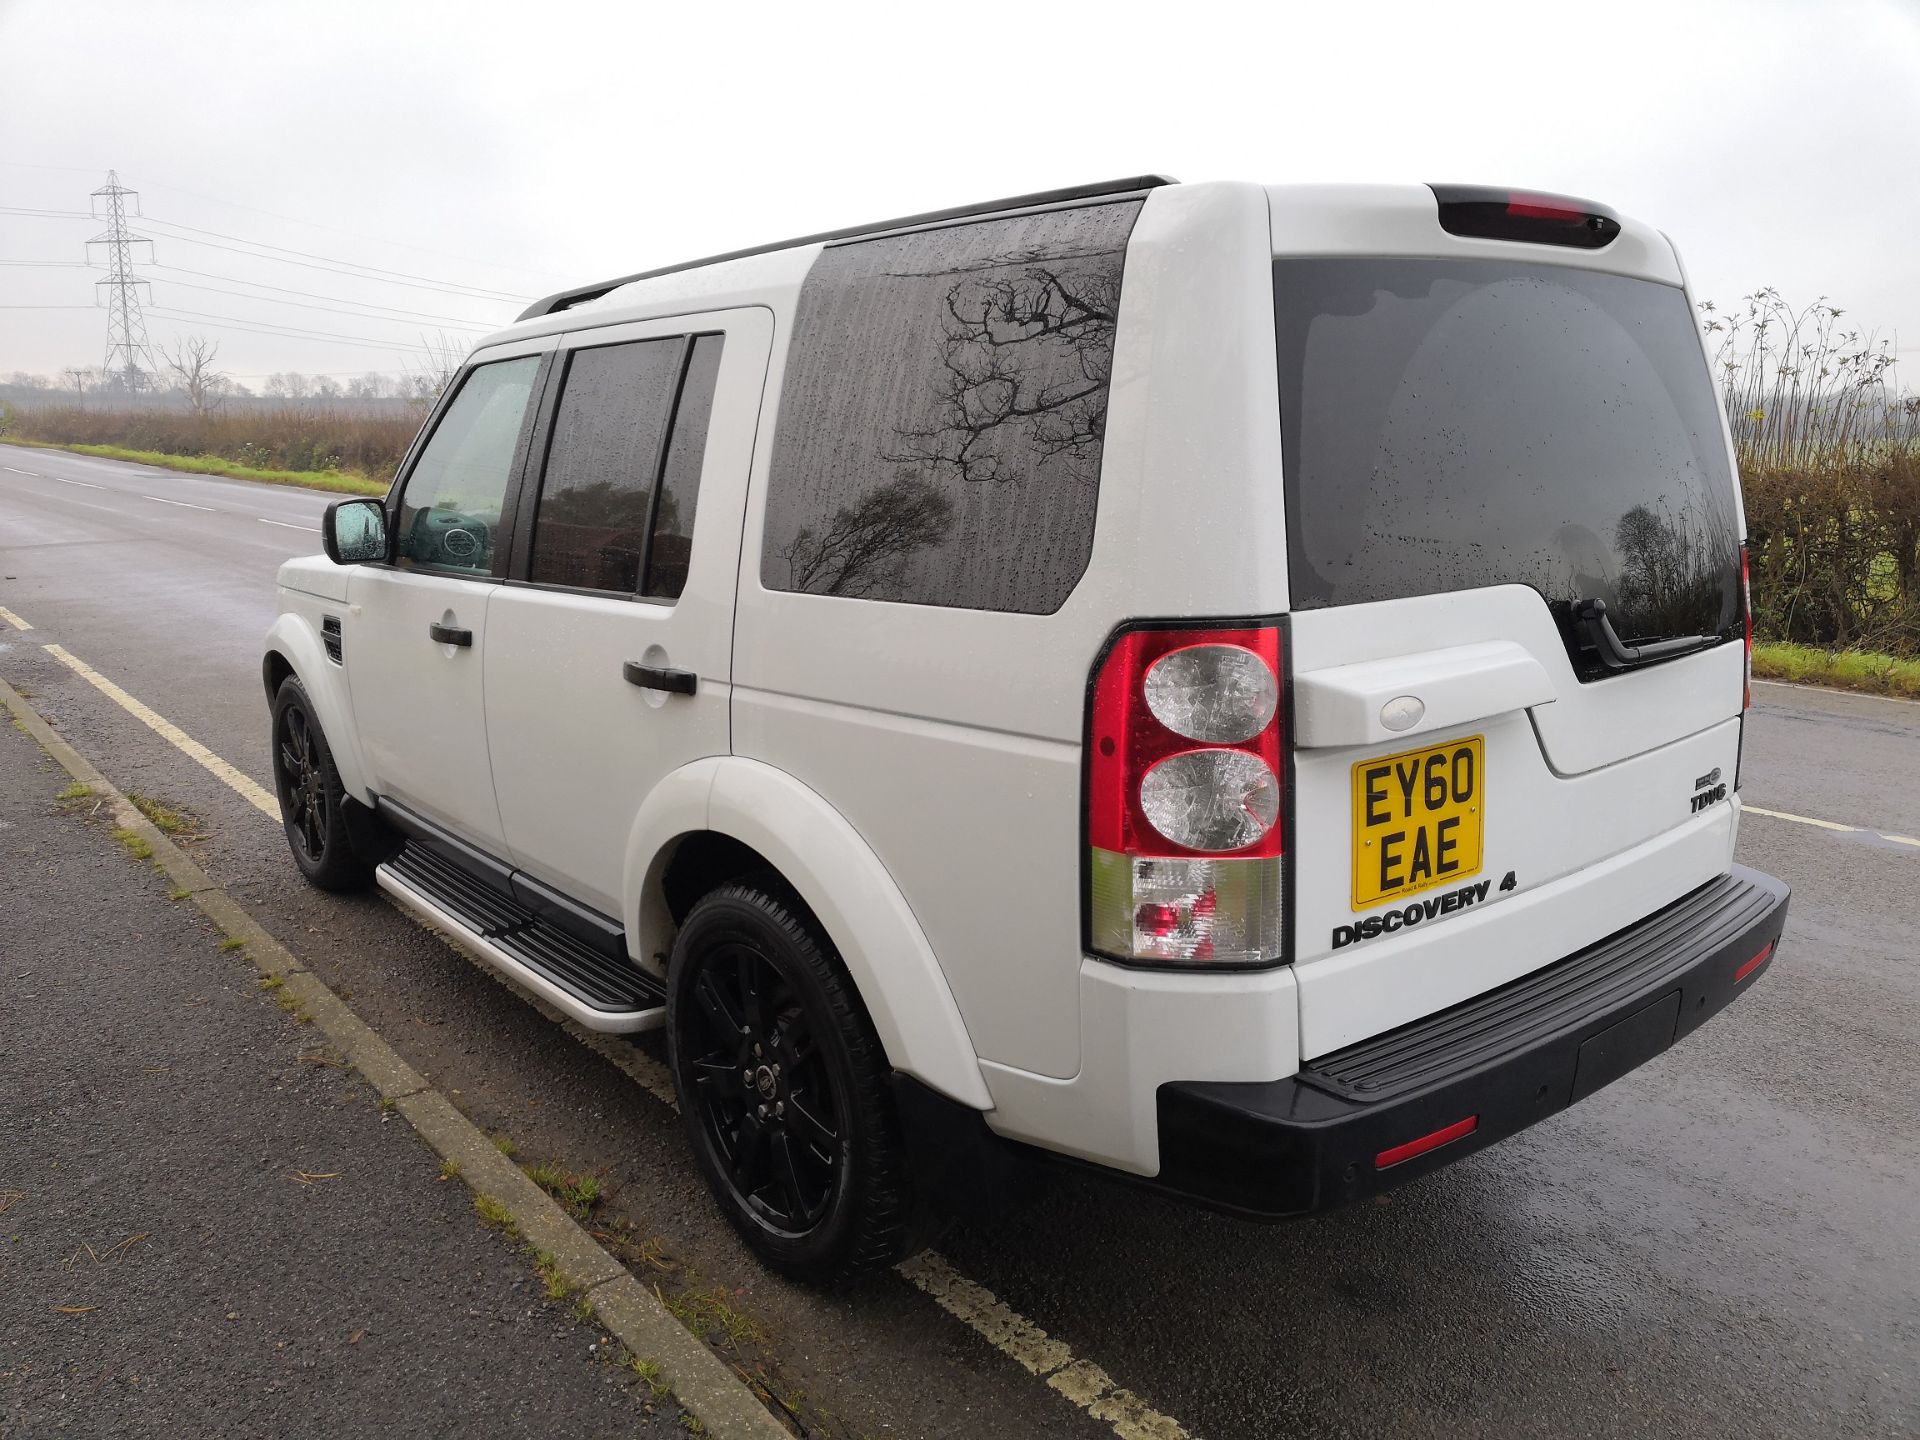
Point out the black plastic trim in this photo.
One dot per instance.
(580, 294)
(512, 886)
(1274, 1149)
(602, 932)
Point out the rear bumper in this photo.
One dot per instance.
(1345, 1126)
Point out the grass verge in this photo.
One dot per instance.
(345, 482)
(1842, 669)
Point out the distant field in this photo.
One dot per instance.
(345, 482)
(329, 449)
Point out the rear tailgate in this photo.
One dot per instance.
(1482, 438)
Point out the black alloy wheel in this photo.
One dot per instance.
(312, 799)
(763, 1089)
(785, 1089)
(303, 788)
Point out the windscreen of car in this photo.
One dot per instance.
(1452, 424)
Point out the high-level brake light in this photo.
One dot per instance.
(1185, 798)
(1490, 213)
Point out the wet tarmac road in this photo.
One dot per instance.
(1727, 1242)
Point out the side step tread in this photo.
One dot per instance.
(598, 985)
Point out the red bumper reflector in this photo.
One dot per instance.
(1753, 964)
(1459, 1130)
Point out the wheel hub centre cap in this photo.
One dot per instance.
(764, 1082)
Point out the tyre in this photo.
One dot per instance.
(311, 795)
(785, 1090)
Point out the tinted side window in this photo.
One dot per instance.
(591, 525)
(450, 509)
(680, 479)
(943, 412)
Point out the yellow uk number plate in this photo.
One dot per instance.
(1417, 820)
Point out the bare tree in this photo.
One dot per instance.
(192, 359)
(427, 378)
(77, 378)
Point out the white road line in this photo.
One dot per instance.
(249, 790)
(1833, 825)
(973, 1305)
(81, 483)
(1798, 819)
(181, 503)
(286, 525)
(18, 471)
(13, 619)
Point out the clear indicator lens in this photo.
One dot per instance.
(1193, 911)
(1211, 799)
(1222, 694)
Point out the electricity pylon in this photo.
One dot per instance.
(129, 357)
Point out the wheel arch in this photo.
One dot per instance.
(293, 648)
(730, 817)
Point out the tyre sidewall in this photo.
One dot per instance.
(338, 868)
(869, 1149)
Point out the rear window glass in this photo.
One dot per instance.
(943, 413)
(1453, 424)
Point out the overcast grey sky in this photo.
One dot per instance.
(518, 148)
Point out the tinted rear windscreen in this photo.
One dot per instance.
(1454, 424)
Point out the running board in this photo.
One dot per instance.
(611, 996)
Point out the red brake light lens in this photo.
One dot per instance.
(1185, 797)
(1491, 213)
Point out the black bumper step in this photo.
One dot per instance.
(592, 979)
(1522, 1013)
(1362, 1119)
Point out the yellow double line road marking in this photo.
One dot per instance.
(1080, 1381)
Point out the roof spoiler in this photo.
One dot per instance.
(579, 295)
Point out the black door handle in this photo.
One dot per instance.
(449, 634)
(654, 677)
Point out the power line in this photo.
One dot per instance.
(396, 277)
(310, 294)
(354, 234)
(330, 309)
(53, 264)
(49, 214)
(257, 327)
(50, 307)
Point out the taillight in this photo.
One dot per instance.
(1746, 614)
(1186, 783)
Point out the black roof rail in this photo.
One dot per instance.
(580, 294)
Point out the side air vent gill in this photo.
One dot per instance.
(330, 635)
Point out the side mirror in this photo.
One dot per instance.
(354, 530)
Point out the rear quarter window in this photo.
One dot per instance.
(943, 413)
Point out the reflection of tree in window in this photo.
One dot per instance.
(1025, 360)
(865, 546)
(943, 411)
(1673, 572)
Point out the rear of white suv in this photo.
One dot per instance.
(1516, 661)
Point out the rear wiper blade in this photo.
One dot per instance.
(1615, 654)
